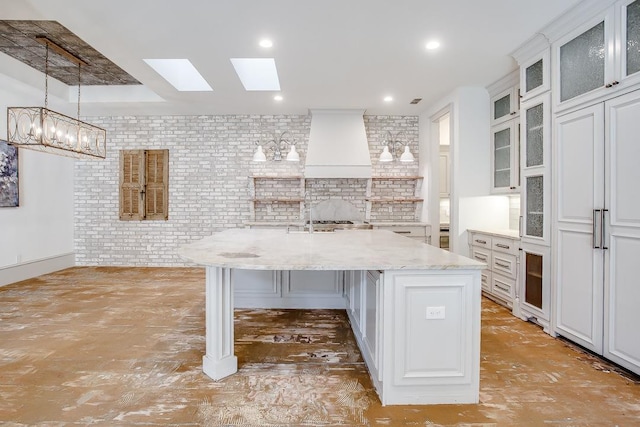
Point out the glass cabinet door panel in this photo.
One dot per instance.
(502, 107)
(535, 136)
(533, 75)
(535, 206)
(633, 37)
(582, 62)
(502, 158)
(533, 280)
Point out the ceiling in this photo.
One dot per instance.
(329, 53)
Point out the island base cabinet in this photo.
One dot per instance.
(419, 334)
(312, 289)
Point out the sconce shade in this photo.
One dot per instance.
(293, 155)
(386, 156)
(41, 129)
(406, 155)
(259, 155)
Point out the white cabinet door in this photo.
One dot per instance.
(579, 175)
(535, 166)
(622, 232)
(505, 161)
(505, 105)
(312, 283)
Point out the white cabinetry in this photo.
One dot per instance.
(535, 226)
(597, 229)
(389, 315)
(500, 252)
(419, 232)
(288, 289)
(598, 57)
(505, 130)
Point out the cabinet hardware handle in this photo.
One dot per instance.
(482, 242)
(608, 85)
(481, 258)
(512, 188)
(603, 234)
(594, 226)
(513, 113)
(500, 245)
(499, 264)
(503, 289)
(402, 232)
(616, 83)
(520, 226)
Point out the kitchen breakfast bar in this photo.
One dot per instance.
(414, 308)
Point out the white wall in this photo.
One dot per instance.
(37, 236)
(471, 205)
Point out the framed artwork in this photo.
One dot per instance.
(9, 194)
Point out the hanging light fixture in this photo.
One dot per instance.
(278, 144)
(393, 145)
(41, 129)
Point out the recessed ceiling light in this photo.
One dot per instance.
(257, 73)
(278, 97)
(180, 73)
(266, 43)
(388, 98)
(433, 44)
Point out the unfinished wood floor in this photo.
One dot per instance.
(124, 346)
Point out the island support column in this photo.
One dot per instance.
(219, 360)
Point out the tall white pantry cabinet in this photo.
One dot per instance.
(595, 177)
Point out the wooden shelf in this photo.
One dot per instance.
(277, 177)
(396, 178)
(275, 199)
(397, 200)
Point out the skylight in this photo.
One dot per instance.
(180, 73)
(257, 73)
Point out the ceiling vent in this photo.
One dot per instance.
(415, 101)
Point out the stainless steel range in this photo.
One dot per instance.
(333, 225)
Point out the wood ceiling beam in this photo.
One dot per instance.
(61, 51)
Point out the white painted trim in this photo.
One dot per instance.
(37, 267)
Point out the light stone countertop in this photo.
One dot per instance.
(511, 234)
(262, 249)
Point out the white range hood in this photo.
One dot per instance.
(338, 145)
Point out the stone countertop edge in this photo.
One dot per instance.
(260, 249)
(507, 233)
(302, 224)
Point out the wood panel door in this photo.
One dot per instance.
(622, 232)
(578, 266)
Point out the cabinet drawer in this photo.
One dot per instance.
(485, 280)
(506, 264)
(503, 287)
(505, 245)
(408, 230)
(481, 240)
(482, 255)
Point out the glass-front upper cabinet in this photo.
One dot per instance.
(599, 56)
(505, 175)
(535, 167)
(630, 38)
(505, 105)
(535, 76)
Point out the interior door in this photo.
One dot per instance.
(579, 184)
(622, 232)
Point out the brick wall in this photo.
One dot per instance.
(209, 166)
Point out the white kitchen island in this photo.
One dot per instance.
(414, 308)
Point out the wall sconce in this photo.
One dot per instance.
(394, 145)
(278, 144)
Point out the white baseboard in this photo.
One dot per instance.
(34, 268)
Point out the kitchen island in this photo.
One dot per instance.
(414, 308)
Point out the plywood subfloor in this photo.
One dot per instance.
(123, 347)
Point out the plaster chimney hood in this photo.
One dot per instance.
(338, 145)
